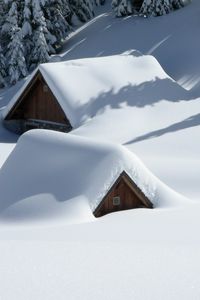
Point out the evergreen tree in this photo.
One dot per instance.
(27, 30)
(40, 51)
(123, 7)
(57, 25)
(83, 9)
(159, 7)
(2, 68)
(9, 22)
(2, 10)
(16, 60)
(148, 8)
(177, 4)
(15, 53)
(27, 19)
(31, 30)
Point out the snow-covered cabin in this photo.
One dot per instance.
(37, 107)
(64, 95)
(96, 177)
(123, 194)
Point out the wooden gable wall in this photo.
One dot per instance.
(38, 103)
(130, 197)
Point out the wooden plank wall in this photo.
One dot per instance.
(129, 199)
(40, 104)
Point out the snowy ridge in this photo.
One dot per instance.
(67, 167)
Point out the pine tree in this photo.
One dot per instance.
(123, 7)
(2, 68)
(162, 7)
(27, 30)
(57, 25)
(31, 30)
(15, 54)
(159, 7)
(83, 9)
(15, 49)
(2, 15)
(10, 20)
(27, 19)
(148, 8)
(40, 51)
(177, 4)
(16, 60)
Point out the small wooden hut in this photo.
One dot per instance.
(124, 194)
(37, 107)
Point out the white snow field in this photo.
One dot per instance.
(128, 113)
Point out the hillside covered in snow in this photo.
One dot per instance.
(130, 88)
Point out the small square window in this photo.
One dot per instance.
(116, 200)
(45, 88)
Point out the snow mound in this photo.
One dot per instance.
(51, 173)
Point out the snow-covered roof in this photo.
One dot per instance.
(78, 84)
(67, 167)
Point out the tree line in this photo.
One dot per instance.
(145, 7)
(32, 30)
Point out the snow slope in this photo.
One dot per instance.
(166, 138)
(169, 39)
(137, 254)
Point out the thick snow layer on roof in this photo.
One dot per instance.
(83, 86)
(60, 167)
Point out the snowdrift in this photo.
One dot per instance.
(51, 173)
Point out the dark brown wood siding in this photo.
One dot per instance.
(129, 198)
(39, 103)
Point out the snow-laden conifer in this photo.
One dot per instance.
(177, 3)
(31, 30)
(159, 7)
(56, 23)
(27, 19)
(148, 8)
(15, 49)
(41, 48)
(40, 53)
(2, 68)
(16, 60)
(83, 9)
(123, 7)
(27, 30)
